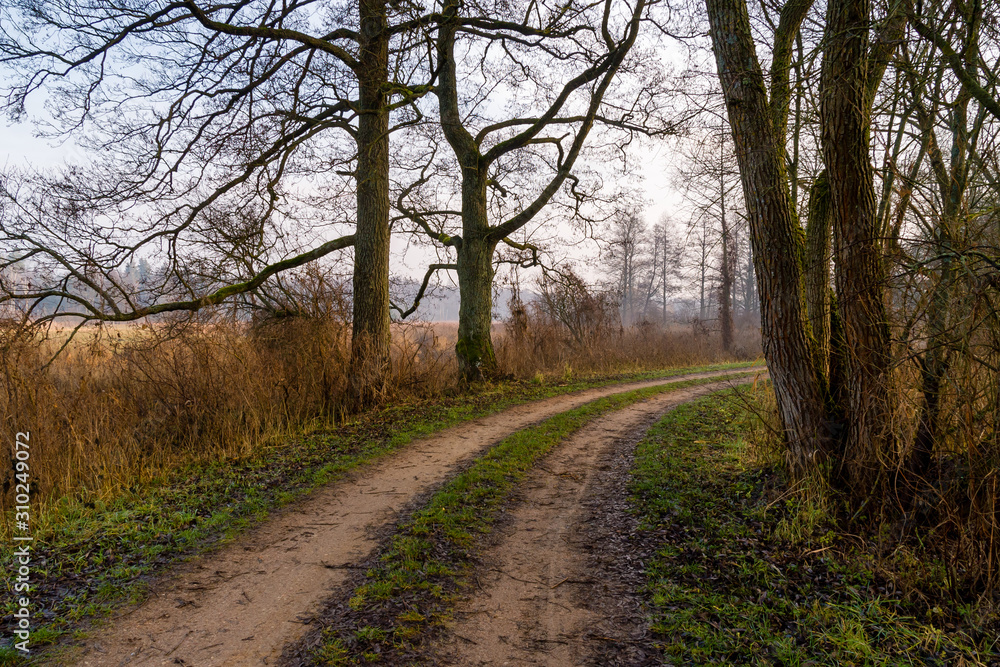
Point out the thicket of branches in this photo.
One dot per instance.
(866, 151)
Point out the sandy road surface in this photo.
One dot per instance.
(242, 604)
(540, 601)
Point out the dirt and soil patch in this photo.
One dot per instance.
(409, 588)
(684, 551)
(101, 548)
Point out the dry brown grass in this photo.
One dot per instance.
(956, 508)
(119, 405)
(122, 404)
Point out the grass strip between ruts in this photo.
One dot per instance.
(92, 555)
(725, 588)
(422, 572)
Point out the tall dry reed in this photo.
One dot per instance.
(121, 404)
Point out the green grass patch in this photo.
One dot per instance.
(739, 579)
(91, 555)
(428, 564)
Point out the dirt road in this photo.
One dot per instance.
(243, 603)
(541, 600)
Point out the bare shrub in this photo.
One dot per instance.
(574, 327)
(954, 505)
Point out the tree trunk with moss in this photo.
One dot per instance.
(818, 268)
(777, 240)
(474, 348)
(859, 332)
(476, 358)
(857, 244)
(476, 245)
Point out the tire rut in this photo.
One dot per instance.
(541, 601)
(242, 604)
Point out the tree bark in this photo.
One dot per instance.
(476, 358)
(792, 14)
(776, 237)
(818, 269)
(371, 336)
(860, 277)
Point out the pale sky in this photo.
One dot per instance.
(22, 149)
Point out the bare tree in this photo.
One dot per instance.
(670, 266)
(711, 183)
(759, 117)
(234, 104)
(626, 236)
(558, 62)
(964, 62)
(586, 313)
(946, 226)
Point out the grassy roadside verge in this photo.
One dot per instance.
(91, 555)
(726, 587)
(419, 576)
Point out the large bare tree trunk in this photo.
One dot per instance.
(474, 348)
(860, 277)
(371, 336)
(776, 237)
(479, 239)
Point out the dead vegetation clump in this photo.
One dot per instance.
(950, 506)
(936, 539)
